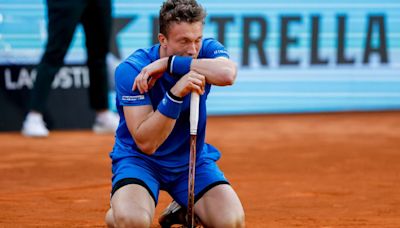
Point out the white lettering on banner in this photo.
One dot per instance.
(24, 79)
(63, 79)
(9, 83)
(85, 77)
(77, 79)
(66, 78)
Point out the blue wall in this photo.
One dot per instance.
(261, 87)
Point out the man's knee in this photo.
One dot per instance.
(110, 219)
(233, 219)
(139, 218)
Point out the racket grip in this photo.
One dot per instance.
(194, 112)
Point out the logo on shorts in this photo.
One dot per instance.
(133, 98)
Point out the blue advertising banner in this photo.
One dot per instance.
(293, 56)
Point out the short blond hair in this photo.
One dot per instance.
(180, 11)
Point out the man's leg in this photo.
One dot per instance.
(63, 16)
(131, 206)
(97, 25)
(220, 207)
(96, 22)
(216, 203)
(134, 192)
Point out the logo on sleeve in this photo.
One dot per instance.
(133, 98)
(217, 52)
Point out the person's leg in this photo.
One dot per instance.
(134, 194)
(216, 203)
(220, 207)
(131, 206)
(97, 25)
(63, 18)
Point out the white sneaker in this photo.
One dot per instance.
(106, 122)
(34, 126)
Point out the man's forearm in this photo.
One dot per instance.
(218, 71)
(150, 128)
(153, 131)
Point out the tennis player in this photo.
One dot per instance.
(151, 151)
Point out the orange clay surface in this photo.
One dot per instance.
(314, 170)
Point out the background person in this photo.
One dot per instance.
(63, 18)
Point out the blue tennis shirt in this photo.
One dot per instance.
(174, 152)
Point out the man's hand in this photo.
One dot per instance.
(190, 82)
(149, 75)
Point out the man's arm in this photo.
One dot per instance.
(150, 128)
(219, 71)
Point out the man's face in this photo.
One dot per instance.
(183, 39)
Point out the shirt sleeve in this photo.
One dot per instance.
(125, 75)
(214, 49)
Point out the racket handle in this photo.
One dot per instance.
(194, 112)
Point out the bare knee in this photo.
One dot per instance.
(238, 220)
(139, 218)
(110, 219)
(233, 219)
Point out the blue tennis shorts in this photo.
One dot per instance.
(136, 170)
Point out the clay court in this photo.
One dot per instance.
(308, 170)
